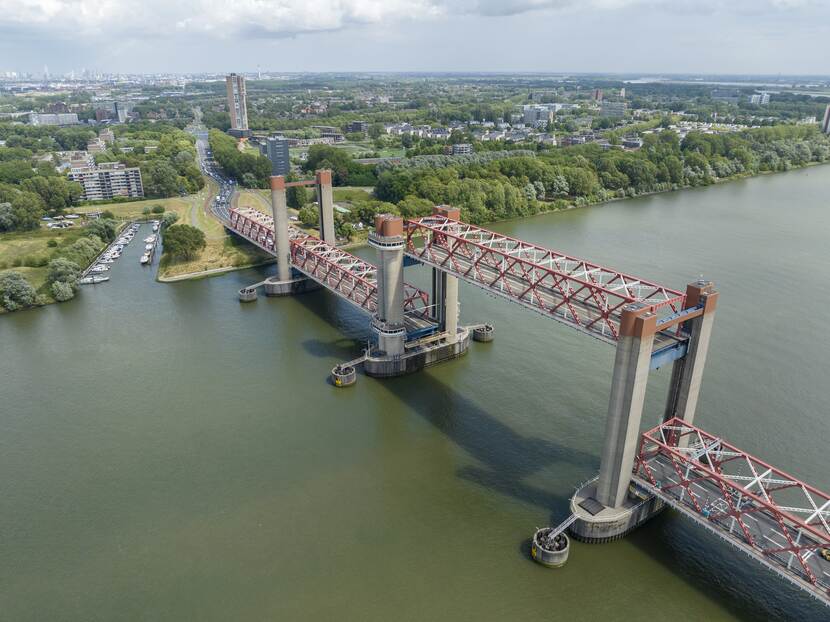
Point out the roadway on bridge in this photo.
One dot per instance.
(762, 526)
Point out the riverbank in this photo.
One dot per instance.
(29, 253)
(231, 481)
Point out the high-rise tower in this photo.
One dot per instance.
(237, 102)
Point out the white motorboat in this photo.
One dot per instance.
(92, 280)
(100, 268)
(149, 238)
(148, 247)
(145, 258)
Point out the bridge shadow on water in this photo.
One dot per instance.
(505, 457)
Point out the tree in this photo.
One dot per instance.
(16, 292)
(297, 196)
(63, 270)
(183, 241)
(168, 219)
(308, 216)
(102, 228)
(26, 207)
(160, 179)
(157, 209)
(62, 291)
(7, 220)
(57, 193)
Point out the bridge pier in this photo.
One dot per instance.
(611, 506)
(287, 281)
(445, 288)
(687, 372)
(325, 207)
(396, 356)
(603, 508)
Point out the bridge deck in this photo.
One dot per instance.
(341, 272)
(581, 294)
(774, 518)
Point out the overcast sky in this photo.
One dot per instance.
(648, 36)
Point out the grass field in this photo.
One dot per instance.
(29, 253)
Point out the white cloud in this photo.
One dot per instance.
(109, 19)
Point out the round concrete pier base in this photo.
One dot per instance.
(597, 523)
(343, 376)
(381, 365)
(298, 285)
(551, 553)
(247, 294)
(483, 333)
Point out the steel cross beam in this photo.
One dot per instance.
(785, 521)
(584, 295)
(343, 273)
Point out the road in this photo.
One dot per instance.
(761, 525)
(221, 203)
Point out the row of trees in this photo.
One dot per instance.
(249, 169)
(521, 185)
(345, 171)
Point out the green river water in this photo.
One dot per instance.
(167, 453)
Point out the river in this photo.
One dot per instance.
(167, 453)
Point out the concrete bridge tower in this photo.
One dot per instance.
(605, 508)
(325, 206)
(388, 322)
(445, 287)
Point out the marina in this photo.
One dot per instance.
(150, 244)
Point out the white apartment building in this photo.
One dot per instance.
(108, 180)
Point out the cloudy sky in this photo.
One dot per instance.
(649, 36)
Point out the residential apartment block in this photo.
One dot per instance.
(108, 180)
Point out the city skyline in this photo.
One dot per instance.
(656, 36)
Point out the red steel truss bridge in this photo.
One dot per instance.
(576, 292)
(344, 274)
(770, 515)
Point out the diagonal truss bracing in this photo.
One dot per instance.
(783, 522)
(343, 273)
(574, 291)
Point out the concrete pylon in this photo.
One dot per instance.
(625, 407)
(388, 323)
(325, 206)
(445, 287)
(279, 210)
(687, 372)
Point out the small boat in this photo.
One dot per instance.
(106, 260)
(145, 258)
(99, 268)
(148, 247)
(149, 238)
(92, 280)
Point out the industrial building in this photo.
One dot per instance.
(108, 180)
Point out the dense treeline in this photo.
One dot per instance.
(522, 185)
(345, 171)
(170, 168)
(249, 169)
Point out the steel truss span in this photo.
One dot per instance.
(777, 519)
(576, 292)
(343, 273)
